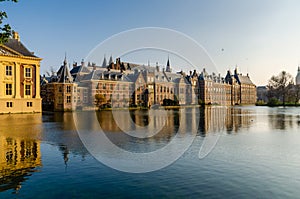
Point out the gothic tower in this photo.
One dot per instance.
(298, 76)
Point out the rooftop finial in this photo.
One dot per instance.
(16, 36)
(65, 60)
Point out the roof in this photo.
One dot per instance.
(79, 69)
(18, 47)
(242, 79)
(64, 75)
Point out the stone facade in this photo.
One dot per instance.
(19, 79)
(124, 84)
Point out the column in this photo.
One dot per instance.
(37, 81)
(17, 80)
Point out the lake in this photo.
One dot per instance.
(249, 152)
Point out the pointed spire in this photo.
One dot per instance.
(63, 74)
(110, 60)
(104, 64)
(168, 68)
(65, 60)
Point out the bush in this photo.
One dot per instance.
(260, 103)
(169, 102)
(274, 102)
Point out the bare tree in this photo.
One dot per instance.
(279, 85)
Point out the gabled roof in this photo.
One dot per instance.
(242, 79)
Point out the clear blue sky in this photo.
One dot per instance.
(261, 37)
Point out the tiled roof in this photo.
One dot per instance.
(19, 47)
(242, 79)
(79, 69)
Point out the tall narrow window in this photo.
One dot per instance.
(8, 70)
(8, 90)
(27, 89)
(27, 72)
(68, 89)
(68, 99)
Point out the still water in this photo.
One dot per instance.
(257, 155)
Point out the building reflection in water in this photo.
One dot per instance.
(214, 119)
(59, 129)
(20, 153)
(284, 119)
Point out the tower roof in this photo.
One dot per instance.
(63, 74)
(168, 68)
(110, 60)
(104, 64)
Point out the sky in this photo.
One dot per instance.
(259, 37)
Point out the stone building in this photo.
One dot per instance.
(122, 84)
(19, 79)
(298, 76)
(243, 91)
(60, 93)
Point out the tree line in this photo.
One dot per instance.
(281, 90)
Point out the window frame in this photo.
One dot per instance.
(8, 70)
(8, 91)
(26, 90)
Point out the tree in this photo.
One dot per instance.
(100, 100)
(279, 85)
(5, 30)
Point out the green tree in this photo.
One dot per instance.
(100, 100)
(5, 30)
(279, 85)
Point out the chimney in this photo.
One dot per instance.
(157, 67)
(74, 64)
(16, 36)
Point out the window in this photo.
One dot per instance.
(27, 72)
(8, 89)
(60, 89)
(68, 99)
(27, 89)
(8, 70)
(29, 104)
(9, 104)
(68, 89)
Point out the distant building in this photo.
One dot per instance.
(60, 93)
(19, 79)
(298, 76)
(262, 93)
(122, 84)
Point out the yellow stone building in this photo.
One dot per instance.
(19, 78)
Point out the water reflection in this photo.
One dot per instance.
(284, 118)
(21, 135)
(214, 119)
(140, 121)
(19, 149)
(59, 129)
